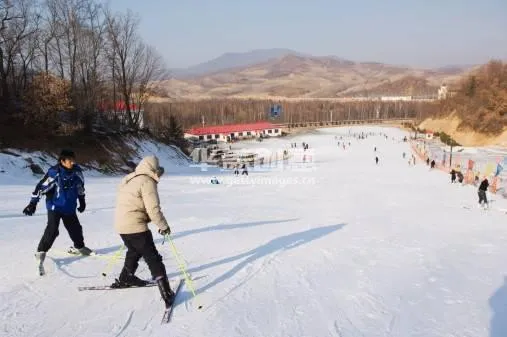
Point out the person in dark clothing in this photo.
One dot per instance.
(433, 163)
(428, 161)
(245, 171)
(483, 188)
(453, 176)
(460, 177)
(376, 160)
(63, 186)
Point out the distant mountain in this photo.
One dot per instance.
(455, 69)
(232, 60)
(295, 75)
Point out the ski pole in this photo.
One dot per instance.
(181, 265)
(113, 260)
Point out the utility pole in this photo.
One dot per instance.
(450, 158)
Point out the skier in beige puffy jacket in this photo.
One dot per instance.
(138, 204)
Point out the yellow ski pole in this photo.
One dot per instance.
(181, 265)
(113, 260)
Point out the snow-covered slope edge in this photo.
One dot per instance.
(17, 166)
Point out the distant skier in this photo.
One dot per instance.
(404, 155)
(460, 177)
(433, 164)
(214, 181)
(453, 176)
(376, 160)
(236, 170)
(63, 185)
(375, 149)
(245, 170)
(483, 188)
(138, 204)
(428, 161)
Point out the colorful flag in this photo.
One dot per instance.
(499, 169)
(490, 167)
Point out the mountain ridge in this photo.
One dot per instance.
(293, 74)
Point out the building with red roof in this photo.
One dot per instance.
(234, 131)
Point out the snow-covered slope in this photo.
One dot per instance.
(342, 247)
(15, 164)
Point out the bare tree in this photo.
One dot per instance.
(134, 64)
(18, 22)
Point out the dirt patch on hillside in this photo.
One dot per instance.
(450, 125)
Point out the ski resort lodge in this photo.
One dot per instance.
(231, 132)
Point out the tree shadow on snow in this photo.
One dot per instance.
(279, 245)
(498, 303)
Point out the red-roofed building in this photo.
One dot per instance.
(234, 131)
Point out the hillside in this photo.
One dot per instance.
(105, 155)
(306, 76)
(479, 105)
(231, 60)
(405, 86)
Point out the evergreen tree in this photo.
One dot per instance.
(174, 130)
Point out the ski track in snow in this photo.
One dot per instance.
(363, 251)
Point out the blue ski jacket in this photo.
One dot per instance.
(62, 188)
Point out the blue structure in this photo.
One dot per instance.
(275, 111)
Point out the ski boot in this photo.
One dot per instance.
(165, 291)
(126, 280)
(39, 257)
(85, 251)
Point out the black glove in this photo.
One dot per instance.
(82, 204)
(165, 232)
(30, 209)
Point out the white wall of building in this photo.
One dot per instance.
(275, 132)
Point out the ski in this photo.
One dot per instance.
(93, 255)
(166, 318)
(109, 287)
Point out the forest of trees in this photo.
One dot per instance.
(227, 111)
(481, 100)
(62, 62)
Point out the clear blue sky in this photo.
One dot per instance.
(425, 33)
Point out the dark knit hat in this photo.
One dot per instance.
(67, 154)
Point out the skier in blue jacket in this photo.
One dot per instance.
(63, 186)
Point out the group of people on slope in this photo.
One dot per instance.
(481, 192)
(137, 204)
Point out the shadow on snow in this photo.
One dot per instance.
(277, 245)
(61, 262)
(498, 304)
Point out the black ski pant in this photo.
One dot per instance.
(71, 223)
(482, 197)
(142, 245)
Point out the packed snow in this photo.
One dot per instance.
(334, 245)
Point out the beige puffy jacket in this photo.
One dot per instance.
(138, 202)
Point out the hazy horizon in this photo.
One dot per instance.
(427, 34)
